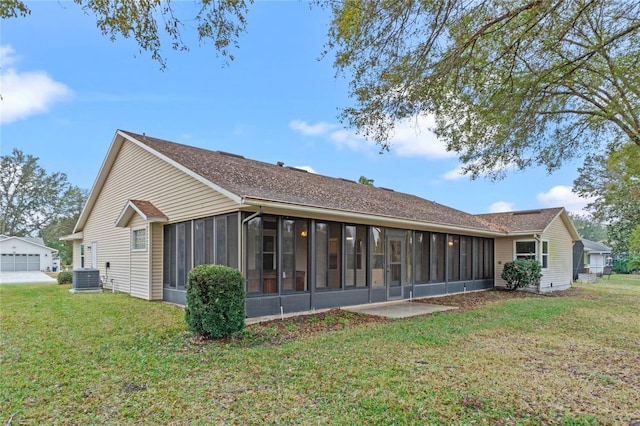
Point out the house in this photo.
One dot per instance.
(303, 241)
(22, 254)
(592, 257)
(546, 235)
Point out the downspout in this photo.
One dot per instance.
(538, 239)
(242, 248)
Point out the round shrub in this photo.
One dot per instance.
(522, 273)
(215, 301)
(65, 277)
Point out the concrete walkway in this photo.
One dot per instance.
(394, 309)
(400, 309)
(26, 278)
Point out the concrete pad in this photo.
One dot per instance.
(26, 278)
(403, 309)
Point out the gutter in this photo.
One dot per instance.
(361, 217)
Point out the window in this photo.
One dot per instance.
(528, 250)
(294, 255)
(216, 241)
(453, 257)
(139, 239)
(254, 255)
(377, 256)
(408, 260)
(545, 254)
(355, 240)
(322, 239)
(423, 242)
(488, 258)
(328, 255)
(465, 258)
(438, 256)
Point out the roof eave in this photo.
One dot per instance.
(72, 237)
(383, 220)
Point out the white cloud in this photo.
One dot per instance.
(501, 206)
(307, 168)
(319, 129)
(7, 56)
(25, 93)
(344, 138)
(562, 196)
(335, 133)
(455, 174)
(412, 137)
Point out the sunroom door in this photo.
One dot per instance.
(395, 261)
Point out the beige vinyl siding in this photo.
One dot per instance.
(504, 253)
(156, 246)
(76, 254)
(560, 257)
(139, 272)
(138, 174)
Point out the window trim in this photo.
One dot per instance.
(538, 254)
(544, 255)
(134, 231)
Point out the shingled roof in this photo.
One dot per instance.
(523, 221)
(595, 246)
(256, 180)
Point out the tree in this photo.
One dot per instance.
(31, 200)
(365, 181)
(588, 228)
(518, 83)
(74, 201)
(634, 240)
(148, 21)
(614, 180)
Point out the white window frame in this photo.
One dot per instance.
(134, 232)
(540, 255)
(517, 255)
(544, 257)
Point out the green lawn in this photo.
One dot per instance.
(109, 358)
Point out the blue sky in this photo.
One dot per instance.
(66, 88)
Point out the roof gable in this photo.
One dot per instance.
(114, 149)
(530, 221)
(144, 209)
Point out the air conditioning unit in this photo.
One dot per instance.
(85, 279)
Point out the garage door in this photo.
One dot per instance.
(19, 262)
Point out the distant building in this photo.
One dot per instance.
(22, 254)
(591, 257)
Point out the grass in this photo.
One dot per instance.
(109, 358)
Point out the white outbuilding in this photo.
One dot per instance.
(23, 254)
